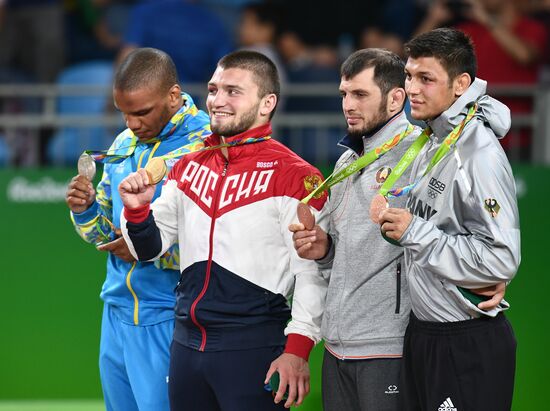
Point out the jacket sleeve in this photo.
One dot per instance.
(95, 224)
(325, 263)
(310, 287)
(199, 122)
(488, 250)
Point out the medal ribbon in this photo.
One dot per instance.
(108, 156)
(174, 154)
(360, 163)
(103, 156)
(413, 152)
(181, 151)
(177, 121)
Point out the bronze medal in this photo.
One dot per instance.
(156, 170)
(305, 216)
(86, 166)
(377, 204)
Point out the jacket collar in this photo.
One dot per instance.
(450, 118)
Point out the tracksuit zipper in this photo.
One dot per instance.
(134, 295)
(209, 263)
(130, 272)
(398, 289)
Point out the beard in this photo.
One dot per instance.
(377, 121)
(238, 126)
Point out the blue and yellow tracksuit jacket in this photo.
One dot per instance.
(141, 293)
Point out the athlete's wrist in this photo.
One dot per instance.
(299, 345)
(138, 214)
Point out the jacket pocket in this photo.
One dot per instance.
(398, 288)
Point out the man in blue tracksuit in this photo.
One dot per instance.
(138, 316)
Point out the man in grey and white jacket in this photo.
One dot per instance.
(367, 306)
(460, 232)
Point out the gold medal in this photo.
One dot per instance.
(156, 170)
(305, 216)
(86, 166)
(378, 203)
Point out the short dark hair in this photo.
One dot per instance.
(453, 49)
(144, 67)
(263, 69)
(389, 70)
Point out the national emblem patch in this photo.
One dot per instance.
(492, 206)
(382, 174)
(311, 183)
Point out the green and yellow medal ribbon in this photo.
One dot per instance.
(413, 151)
(360, 163)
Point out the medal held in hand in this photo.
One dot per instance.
(305, 216)
(156, 170)
(86, 166)
(378, 203)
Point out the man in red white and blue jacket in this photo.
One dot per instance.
(229, 207)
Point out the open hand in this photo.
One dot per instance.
(294, 374)
(496, 292)
(119, 248)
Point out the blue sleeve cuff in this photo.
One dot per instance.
(88, 215)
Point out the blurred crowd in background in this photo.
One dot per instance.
(41, 39)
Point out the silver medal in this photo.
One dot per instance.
(86, 166)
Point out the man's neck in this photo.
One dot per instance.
(178, 107)
(448, 107)
(383, 124)
(254, 132)
(224, 150)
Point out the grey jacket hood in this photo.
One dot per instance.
(491, 111)
(457, 238)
